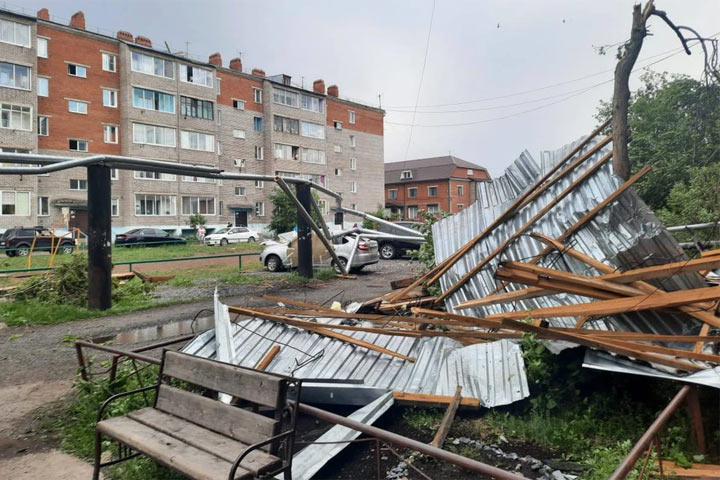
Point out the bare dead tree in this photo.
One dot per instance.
(627, 55)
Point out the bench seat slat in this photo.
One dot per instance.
(237, 423)
(244, 383)
(226, 448)
(168, 450)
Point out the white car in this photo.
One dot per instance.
(231, 235)
(275, 257)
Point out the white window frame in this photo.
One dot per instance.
(411, 208)
(240, 162)
(77, 103)
(186, 141)
(259, 152)
(15, 76)
(460, 206)
(87, 145)
(312, 101)
(257, 95)
(156, 176)
(406, 175)
(26, 112)
(338, 172)
(115, 205)
(114, 174)
(317, 130)
(259, 209)
(47, 126)
(470, 171)
(259, 184)
(43, 212)
(262, 124)
(318, 156)
(110, 128)
(351, 117)
(16, 193)
(134, 68)
(106, 56)
(154, 92)
(174, 137)
(236, 102)
(352, 141)
(436, 191)
(201, 72)
(79, 182)
(337, 148)
(237, 133)
(435, 206)
(337, 124)
(112, 94)
(242, 189)
(187, 178)
(171, 201)
(15, 26)
(77, 70)
(353, 163)
(45, 41)
(286, 151)
(198, 200)
(280, 95)
(353, 187)
(46, 81)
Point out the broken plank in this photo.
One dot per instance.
(402, 283)
(478, 322)
(269, 356)
(430, 400)
(698, 470)
(447, 420)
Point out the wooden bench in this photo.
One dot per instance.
(200, 437)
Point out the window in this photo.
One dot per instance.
(154, 205)
(43, 206)
(239, 134)
(152, 100)
(15, 33)
(109, 62)
(219, 147)
(460, 189)
(337, 148)
(115, 207)
(14, 76)
(259, 152)
(240, 191)
(257, 95)
(240, 162)
(405, 174)
(286, 152)
(286, 125)
(152, 65)
(110, 133)
(78, 184)
(337, 125)
(434, 208)
(113, 174)
(311, 155)
(202, 205)
(217, 92)
(260, 209)
(313, 104)
(470, 171)
(144, 175)
(196, 75)
(392, 194)
(259, 184)
(351, 117)
(352, 141)
(43, 86)
(412, 192)
(432, 191)
(77, 70)
(197, 141)
(43, 126)
(412, 212)
(186, 178)
(312, 130)
(285, 97)
(353, 163)
(338, 172)
(353, 187)
(238, 104)
(76, 106)
(15, 117)
(78, 145)
(460, 206)
(153, 135)
(323, 206)
(310, 177)
(109, 98)
(192, 107)
(258, 124)
(42, 47)
(15, 203)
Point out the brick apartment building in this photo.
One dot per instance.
(65, 90)
(432, 184)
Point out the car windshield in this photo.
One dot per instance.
(222, 230)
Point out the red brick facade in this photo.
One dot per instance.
(239, 87)
(366, 120)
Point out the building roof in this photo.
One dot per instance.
(433, 168)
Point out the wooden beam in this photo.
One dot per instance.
(507, 297)
(478, 322)
(269, 356)
(429, 400)
(447, 420)
(645, 347)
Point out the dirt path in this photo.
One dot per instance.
(38, 363)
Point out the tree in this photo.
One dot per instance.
(284, 213)
(196, 220)
(675, 123)
(380, 213)
(695, 201)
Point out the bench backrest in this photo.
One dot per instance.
(257, 387)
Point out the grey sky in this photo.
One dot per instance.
(478, 49)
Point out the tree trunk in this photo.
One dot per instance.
(621, 93)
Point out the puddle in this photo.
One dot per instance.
(158, 332)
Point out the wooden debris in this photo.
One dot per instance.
(428, 400)
(697, 470)
(447, 420)
(265, 361)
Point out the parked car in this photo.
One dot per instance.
(276, 256)
(231, 235)
(19, 241)
(392, 248)
(147, 237)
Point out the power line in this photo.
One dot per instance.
(422, 75)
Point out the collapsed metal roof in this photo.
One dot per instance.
(492, 372)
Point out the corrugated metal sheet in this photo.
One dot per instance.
(492, 372)
(625, 235)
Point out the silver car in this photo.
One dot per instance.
(275, 257)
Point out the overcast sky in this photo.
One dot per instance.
(478, 50)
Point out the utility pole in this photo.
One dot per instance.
(305, 260)
(99, 238)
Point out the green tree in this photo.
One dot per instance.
(675, 125)
(284, 213)
(695, 201)
(196, 220)
(380, 213)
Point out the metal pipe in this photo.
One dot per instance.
(323, 225)
(379, 220)
(696, 226)
(404, 442)
(644, 443)
(352, 252)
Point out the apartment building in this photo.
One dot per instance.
(436, 184)
(66, 90)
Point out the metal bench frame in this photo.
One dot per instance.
(286, 414)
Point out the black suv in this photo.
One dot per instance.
(390, 248)
(18, 241)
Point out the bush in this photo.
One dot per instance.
(284, 213)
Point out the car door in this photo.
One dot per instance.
(162, 237)
(241, 234)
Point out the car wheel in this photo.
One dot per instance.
(22, 250)
(387, 251)
(273, 263)
(66, 249)
(223, 241)
(251, 240)
(343, 262)
(10, 253)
